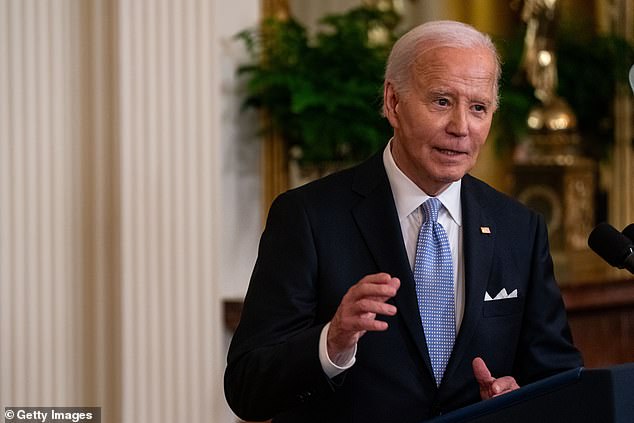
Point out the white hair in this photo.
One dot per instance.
(431, 35)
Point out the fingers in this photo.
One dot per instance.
(483, 377)
(380, 285)
(489, 386)
(481, 372)
(503, 385)
(358, 310)
(367, 298)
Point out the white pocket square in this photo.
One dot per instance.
(502, 295)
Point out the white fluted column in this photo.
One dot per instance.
(111, 185)
(170, 316)
(42, 293)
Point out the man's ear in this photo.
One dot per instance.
(390, 103)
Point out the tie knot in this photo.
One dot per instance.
(430, 210)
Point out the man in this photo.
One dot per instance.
(334, 322)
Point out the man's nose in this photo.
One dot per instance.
(458, 124)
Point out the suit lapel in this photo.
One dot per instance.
(479, 234)
(377, 219)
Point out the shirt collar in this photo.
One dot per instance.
(408, 196)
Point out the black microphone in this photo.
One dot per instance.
(629, 232)
(612, 246)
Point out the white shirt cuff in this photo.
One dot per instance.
(344, 361)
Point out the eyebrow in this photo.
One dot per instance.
(448, 92)
(440, 92)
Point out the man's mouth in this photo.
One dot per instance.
(449, 152)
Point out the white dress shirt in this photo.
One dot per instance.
(408, 198)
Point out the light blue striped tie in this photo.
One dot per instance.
(433, 274)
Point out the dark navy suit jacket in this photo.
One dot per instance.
(321, 239)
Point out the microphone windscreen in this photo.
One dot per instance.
(629, 231)
(610, 244)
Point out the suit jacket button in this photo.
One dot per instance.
(304, 396)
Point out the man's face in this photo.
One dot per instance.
(443, 119)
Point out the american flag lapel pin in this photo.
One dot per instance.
(485, 229)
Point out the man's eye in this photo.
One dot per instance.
(442, 102)
(479, 108)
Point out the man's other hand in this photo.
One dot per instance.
(489, 386)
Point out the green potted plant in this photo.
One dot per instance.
(322, 92)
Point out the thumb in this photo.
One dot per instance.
(481, 371)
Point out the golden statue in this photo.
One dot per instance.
(539, 61)
(551, 174)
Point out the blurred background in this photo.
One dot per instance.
(135, 178)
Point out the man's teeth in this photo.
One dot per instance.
(450, 152)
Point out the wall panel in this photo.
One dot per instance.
(112, 181)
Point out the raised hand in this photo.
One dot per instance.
(358, 311)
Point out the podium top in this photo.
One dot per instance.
(509, 399)
(580, 395)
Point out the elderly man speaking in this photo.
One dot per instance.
(402, 288)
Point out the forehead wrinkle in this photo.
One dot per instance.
(440, 71)
(434, 79)
(433, 62)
